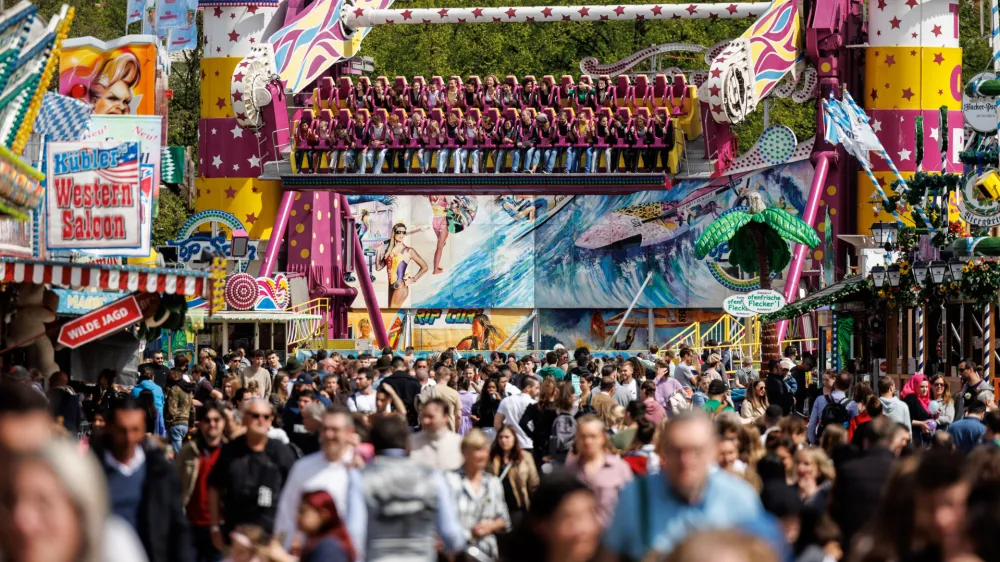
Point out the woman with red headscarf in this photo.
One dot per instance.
(326, 536)
(916, 394)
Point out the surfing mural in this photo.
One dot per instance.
(570, 252)
(466, 329)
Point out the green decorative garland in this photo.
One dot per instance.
(980, 283)
(979, 157)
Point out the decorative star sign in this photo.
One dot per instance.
(904, 155)
(934, 133)
(877, 126)
(237, 132)
(216, 161)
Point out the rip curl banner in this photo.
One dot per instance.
(93, 200)
(115, 77)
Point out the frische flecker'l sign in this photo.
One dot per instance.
(93, 198)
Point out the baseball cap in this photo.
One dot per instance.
(787, 364)
(717, 387)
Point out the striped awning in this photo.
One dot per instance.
(102, 276)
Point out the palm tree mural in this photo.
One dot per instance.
(758, 243)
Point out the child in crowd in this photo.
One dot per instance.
(469, 155)
(448, 153)
(583, 96)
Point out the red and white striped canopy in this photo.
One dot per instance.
(101, 276)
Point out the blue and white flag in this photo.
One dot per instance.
(134, 9)
(62, 118)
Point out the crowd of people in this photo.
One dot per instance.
(528, 127)
(560, 457)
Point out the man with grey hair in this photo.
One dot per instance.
(248, 476)
(685, 497)
(329, 469)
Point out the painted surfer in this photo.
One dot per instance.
(484, 335)
(394, 257)
(520, 207)
(439, 209)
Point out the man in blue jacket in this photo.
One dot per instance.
(968, 432)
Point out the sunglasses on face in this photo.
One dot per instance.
(256, 416)
(399, 231)
(939, 384)
(212, 420)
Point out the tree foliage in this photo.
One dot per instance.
(174, 211)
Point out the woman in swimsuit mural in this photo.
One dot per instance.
(439, 209)
(394, 257)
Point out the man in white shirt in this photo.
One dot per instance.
(363, 400)
(512, 408)
(424, 378)
(329, 470)
(257, 372)
(435, 444)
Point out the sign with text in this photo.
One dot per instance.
(93, 196)
(765, 301)
(82, 302)
(99, 323)
(736, 305)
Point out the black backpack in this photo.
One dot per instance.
(586, 407)
(834, 413)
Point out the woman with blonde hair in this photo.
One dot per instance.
(814, 475)
(58, 511)
(942, 405)
(111, 91)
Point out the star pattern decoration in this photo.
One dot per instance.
(716, 73)
(731, 9)
(237, 132)
(907, 94)
(874, 94)
(904, 155)
(566, 18)
(934, 133)
(584, 11)
(881, 5)
(604, 17)
(408, 14)
(877, 126)
(203, 75)
(913, 53)
(713, 16)
(547, 12)
(939, 58)
(913, 35)
(443, 12)
(237, 96)
(940, 92)
(894, 22)
(217, 161)
(233, 36)
(912, 3)
(717, 109)
(218, 12)
(692, 9)
(216, 73)
(238, 77)
(221, 104)
(236, 167)
(251, 9)
(251, 218)
(255, 189)
(640, 17)
(936, 30)
(657, 10)
(232, 15)
(620, 10)
(890, 60)
(254, 162)
(478, 12)
(213, 131)
(714, 90)
(529, 19)
(230, 193)
(511, 12)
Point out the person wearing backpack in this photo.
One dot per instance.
(563, 427)
(833, 407)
